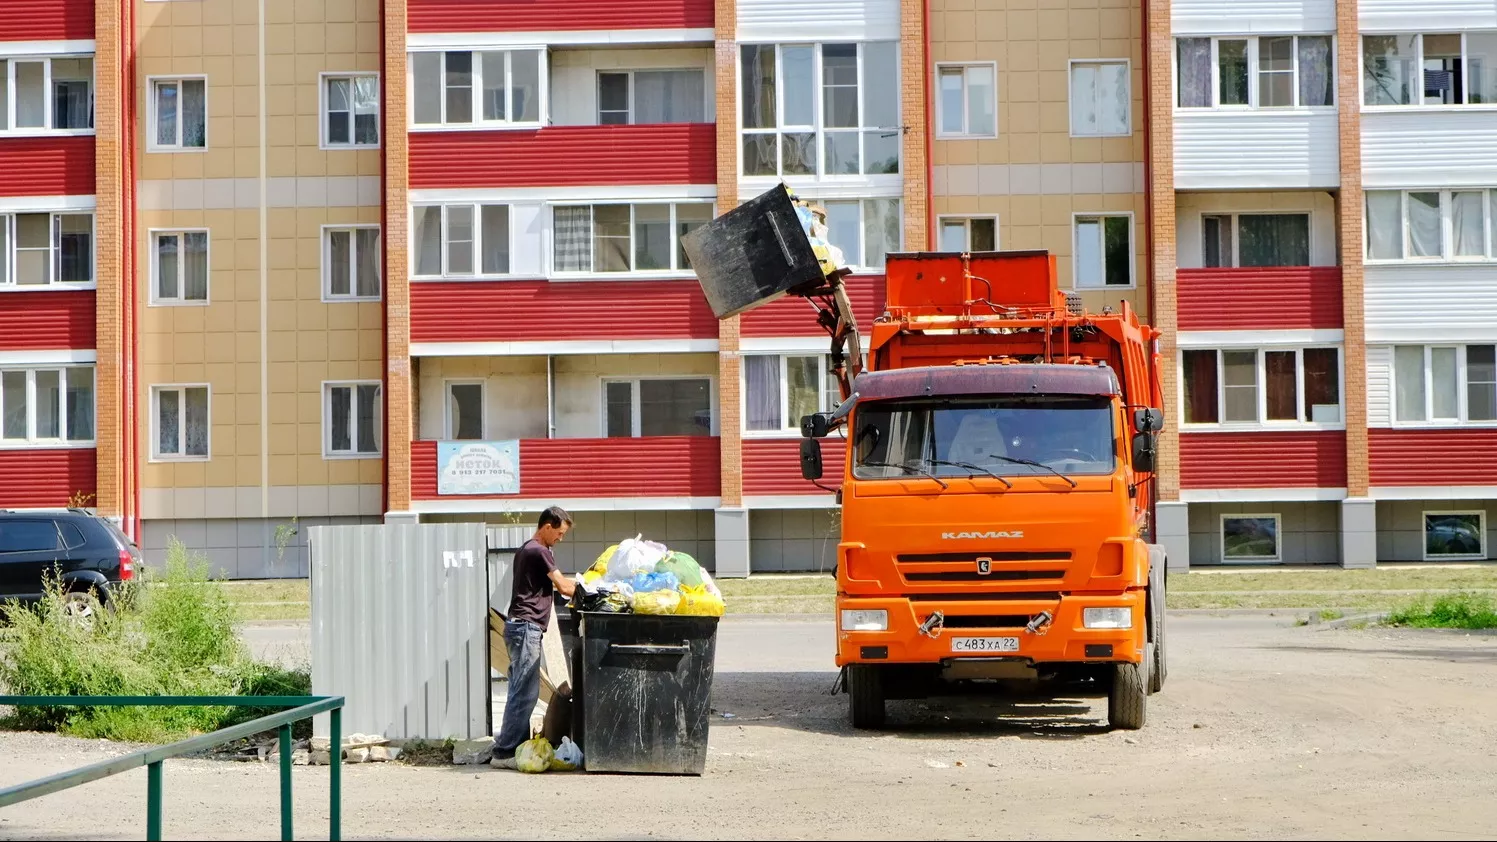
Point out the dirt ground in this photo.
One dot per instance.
(1265, 730)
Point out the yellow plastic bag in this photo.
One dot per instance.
(600, 564)
(700, 602)
(656, 602)
(534, 755)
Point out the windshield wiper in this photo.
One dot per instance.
(907, 468)
(1019, 461)
(971, 467)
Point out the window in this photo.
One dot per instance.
(28, 536)
(491, 88)
(460, 240)
(865, 230)
(659, 406)
(1432, 224)
(181, 422)
(624, 238)
(651, 96)
(1450, 535)
(179, 114)
(1250, 538)
(1445, 383)
(1261, 386)
(967, 100)
(1104, 251)
(351, 422)
(37, 249)
(820, 109)
(979, 233)
(1101, 99)
(38, 94)
(780, 390)
(351, 263)
(350, 110)
(179, 266)
(1429, 69)
(46, 405)
(1255, 239)
(465, 410)
(1282, 71)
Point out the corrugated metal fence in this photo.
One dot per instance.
(400, 628)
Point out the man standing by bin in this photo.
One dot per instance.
(535, 575)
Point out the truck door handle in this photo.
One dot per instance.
(649, 649)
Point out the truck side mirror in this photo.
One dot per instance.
(810, 459)
(816, 425)
(1148, 420)
(1144, 452)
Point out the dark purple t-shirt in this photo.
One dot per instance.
(530, 598)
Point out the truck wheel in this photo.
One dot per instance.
(1157, 672)
(1127, 701)
(865, 692)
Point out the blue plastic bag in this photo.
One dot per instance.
(646, 582)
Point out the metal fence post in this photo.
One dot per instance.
(153, 802)
(286, 832)
(335, 786)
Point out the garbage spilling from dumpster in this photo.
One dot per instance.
(636, 576)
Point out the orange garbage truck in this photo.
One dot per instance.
(1000, 452)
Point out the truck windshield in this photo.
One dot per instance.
(972, 436)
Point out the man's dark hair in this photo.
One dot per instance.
(554, 516)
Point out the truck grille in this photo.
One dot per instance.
(986, 621)
(1038, 566)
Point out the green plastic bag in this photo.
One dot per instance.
(687, 571)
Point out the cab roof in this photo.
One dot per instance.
(1012, 379)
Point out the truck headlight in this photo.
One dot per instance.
(1107, 618)
(865, 620)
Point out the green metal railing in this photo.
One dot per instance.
(300, 707)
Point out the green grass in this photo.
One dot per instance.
(1463, 610)
(1335, 579)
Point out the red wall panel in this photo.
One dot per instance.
(566, 156)
(772, 466)
(1301, 459)
(793, 316)
(659, 466)
(46, 166)
(565, 15)
(46, 478)
(1432, 457)
(47, 20)
(1296, 297)
(47, 321)
(511, 311)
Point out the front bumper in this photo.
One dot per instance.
(1064, 640)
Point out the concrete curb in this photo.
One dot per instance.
(1345, 622)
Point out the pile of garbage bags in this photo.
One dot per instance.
(813, 222)
(644, 577)
(536, 755)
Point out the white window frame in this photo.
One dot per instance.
(635, 419)
(62, 441)
(478, 124)
(855, 254)
(1252, 59)
(966, 133)
(322, 111)
(1070, 112)
(1481, 519)
(708, 92)
(1462, 387)
(477, 273)
(328, 295)
(8, 80)
(1447, 227)
(154, 408)
(1278, 539)
(1236, 216)
(1263, 423)
(966, 220)
(449, 431)
(150, 127)
(156, 299)
(594, 274)
(1076, 219)
(790, 427)
(1419, 65)
(8, 253)
(353, 420)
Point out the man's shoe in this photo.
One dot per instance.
(503, 762)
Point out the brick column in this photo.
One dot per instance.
(109, 216)
(729, 365)
(1348, 92)
(398, 382)
(1162, 260)
(913, 106)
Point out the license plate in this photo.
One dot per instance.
(984, 644)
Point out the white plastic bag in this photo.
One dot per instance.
(710, 585)
(567, 758)
(634, 556)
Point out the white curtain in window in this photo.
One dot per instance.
(669, 96)
(1444, 384)
(1424, 224)
(1315, 70)
(168, 422)
(195, 266)
(72, 106)
(1408, 378)
(12, 404)
(1469, 224)
(428, 240)
(573, 233)
(194, 113)
(761, 375)
(1384, 225)
(881, 230)
(366, 254)
(1099, 98)
(1194, 61)
(197, 422)
(1088, 253)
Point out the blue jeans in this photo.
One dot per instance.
(523, 640)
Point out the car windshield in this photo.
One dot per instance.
(1006, 436)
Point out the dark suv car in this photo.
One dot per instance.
(88, 553)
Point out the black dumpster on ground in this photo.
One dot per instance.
(642, 692)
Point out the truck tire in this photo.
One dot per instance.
(1158, 671)
(1128, 700)
(865, 693)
